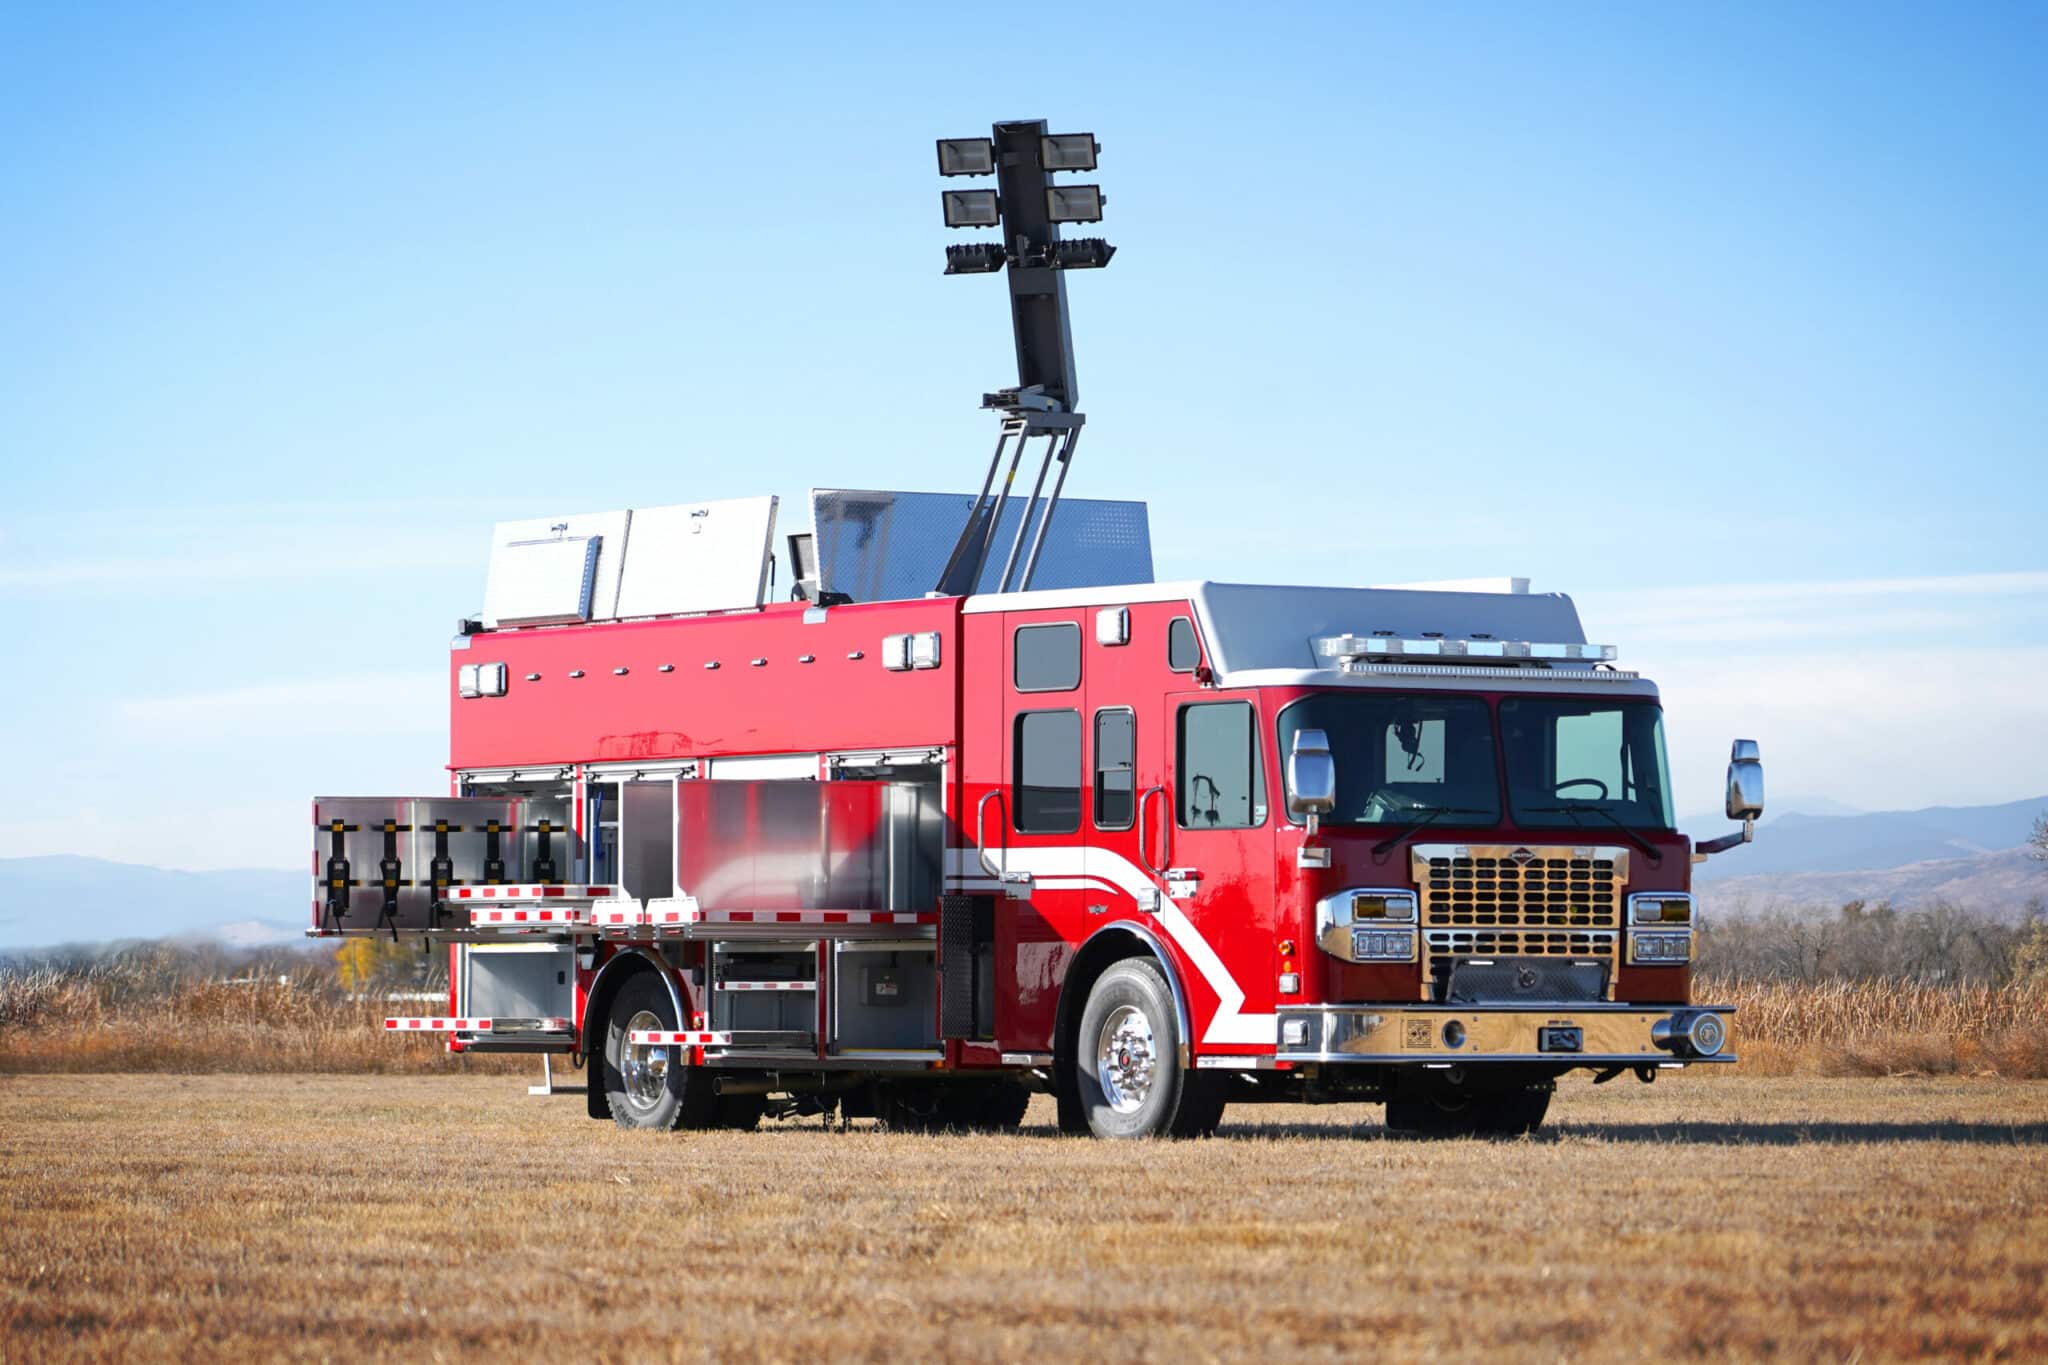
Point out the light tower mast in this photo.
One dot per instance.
(1028, 206)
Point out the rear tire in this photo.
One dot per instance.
(1509, 1107)
(651, 1088)
(1127, 1060)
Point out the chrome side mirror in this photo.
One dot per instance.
(1745, 781)
(1745, 799)
(1311, 777)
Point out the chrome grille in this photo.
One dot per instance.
(1558, 888)
(1519, 943)
(1514, 901)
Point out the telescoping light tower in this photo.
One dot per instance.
(1028, 207)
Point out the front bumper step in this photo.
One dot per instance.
(1604, 1035)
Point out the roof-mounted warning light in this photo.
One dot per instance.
(1349, 648)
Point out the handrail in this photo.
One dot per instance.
(1158, 868)
(980, 847)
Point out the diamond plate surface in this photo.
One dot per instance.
(877, 545)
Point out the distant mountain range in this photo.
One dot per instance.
(64, 899)
(2001, 886)
(1801, 842)
(1971, 856)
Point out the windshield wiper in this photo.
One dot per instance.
(1394, 840)
(1574, 811)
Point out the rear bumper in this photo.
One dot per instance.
(1426, 1035)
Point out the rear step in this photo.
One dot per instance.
(496, 1035)
(479, 1025)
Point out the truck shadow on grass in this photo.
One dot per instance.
(1715, 1134)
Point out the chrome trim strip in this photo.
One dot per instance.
(1539, 845)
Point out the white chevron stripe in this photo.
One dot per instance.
(1071, 867)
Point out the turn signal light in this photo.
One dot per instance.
(1660, 907)
(1378, 905)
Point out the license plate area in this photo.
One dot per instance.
(1560, 1038)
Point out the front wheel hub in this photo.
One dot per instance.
(1126, 1059)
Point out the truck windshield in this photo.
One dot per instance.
(1586, 763)
(1403, 758)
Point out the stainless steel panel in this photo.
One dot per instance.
(647, 838)
(877, 545)
(809, 845)
(414, 847)
(884, 998)
(700, 556)
(519, 981)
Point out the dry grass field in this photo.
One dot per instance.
(147, 1014)
(452, 1216)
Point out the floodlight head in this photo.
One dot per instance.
(970, 208)
(1068, 151)
(967, 156)
(1081, 253)
(1074, 203)
(975, 258)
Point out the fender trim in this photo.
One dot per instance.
(604, 974)
(1151, 940)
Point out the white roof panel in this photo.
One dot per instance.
(697, 556)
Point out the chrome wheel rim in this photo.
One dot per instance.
(1126, 1058)
(644, 1067)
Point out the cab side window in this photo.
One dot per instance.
(1182, 651)
(1045, 787)
(1116, 768)
(1220, 780)
(1048, 658)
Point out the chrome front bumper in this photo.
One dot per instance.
(1430, 1035)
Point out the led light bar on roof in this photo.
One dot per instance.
(1346, 648)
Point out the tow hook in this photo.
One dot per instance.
(1645, 1073)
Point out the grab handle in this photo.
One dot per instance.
(980, 844)
(1143, 827)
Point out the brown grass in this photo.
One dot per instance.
(141, 1014)
(1841, 1028)
(228, 1217)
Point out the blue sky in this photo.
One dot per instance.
(1731, 321)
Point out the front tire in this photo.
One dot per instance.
(1127, 1060)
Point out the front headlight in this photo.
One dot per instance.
(1660, 907)
(1358, 924)
(1659, 949)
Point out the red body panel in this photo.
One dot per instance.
(781, 705)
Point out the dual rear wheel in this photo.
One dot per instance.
(655, 1087)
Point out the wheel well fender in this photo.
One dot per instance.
(1107, 946)
(622, 967)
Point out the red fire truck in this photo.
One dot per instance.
(1153, 848)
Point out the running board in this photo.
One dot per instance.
(497, 1028)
